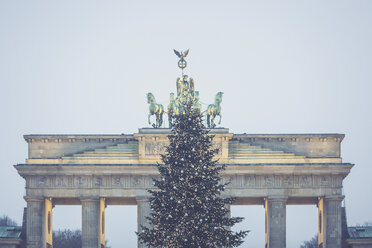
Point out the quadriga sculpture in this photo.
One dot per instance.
(172, 110)
(155, 109)
(213, 110)
(197, 104)
(185, 89)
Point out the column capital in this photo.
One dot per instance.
(89, 199)
(334, 197)
(142, 199)
(280, 198)
(33, 198)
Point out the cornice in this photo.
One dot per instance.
(310, 137)
(72, 138)
(150, 169)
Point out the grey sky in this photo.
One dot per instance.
(285, 67)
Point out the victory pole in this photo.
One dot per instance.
(182, 55)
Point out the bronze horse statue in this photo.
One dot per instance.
(172, 110)
(213, 110)
(196, 105)
(155, 109)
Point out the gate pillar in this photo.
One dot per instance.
(275, 222)
(143, 210)
(39, 222)
(329, 221)
(93, 222)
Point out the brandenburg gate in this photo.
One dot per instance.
(272, 170)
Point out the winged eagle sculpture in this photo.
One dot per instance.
(182, 62)
(180, 54)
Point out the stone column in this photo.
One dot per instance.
(143, 210)
(275, 222)
(330, 223)
(92, 223)
(34, 224)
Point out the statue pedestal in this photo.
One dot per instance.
(152, 143)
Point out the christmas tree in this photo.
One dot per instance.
(187, 207)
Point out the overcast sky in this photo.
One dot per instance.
(84, 67)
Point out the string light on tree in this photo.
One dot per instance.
(187, 207)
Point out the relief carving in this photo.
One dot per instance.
(243, 181)
(117, 181)
(268, 181)
(155, 148)
(287, 181)
(248, 181)
(61, 182)
(217, 145)
(137, 182)
(81, 181)
(228, 180)
(305, 181)
(98, 181)
(325, 181)
(41, 182)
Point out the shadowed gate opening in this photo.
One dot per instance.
(121, 225)
(302, 224)
(66, 217)
(254, 221)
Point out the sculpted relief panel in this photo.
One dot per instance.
(218, 145)
(282, 181)
(117, 181)
(303, 181)
(155, 148)
(98, 181)
(61, 181)
(82, 181)
(42, 182)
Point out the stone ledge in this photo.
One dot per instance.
(149, 169)
(156, 159)
(293, 137)
(73, 195)
(75, 137)
(151, 142)
(168, 130)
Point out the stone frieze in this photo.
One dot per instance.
(143, 182)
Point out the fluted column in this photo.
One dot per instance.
(143, 210)
(92, 233)
(34, 224)
(39, 231)
(330, 223)
(275, 222)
